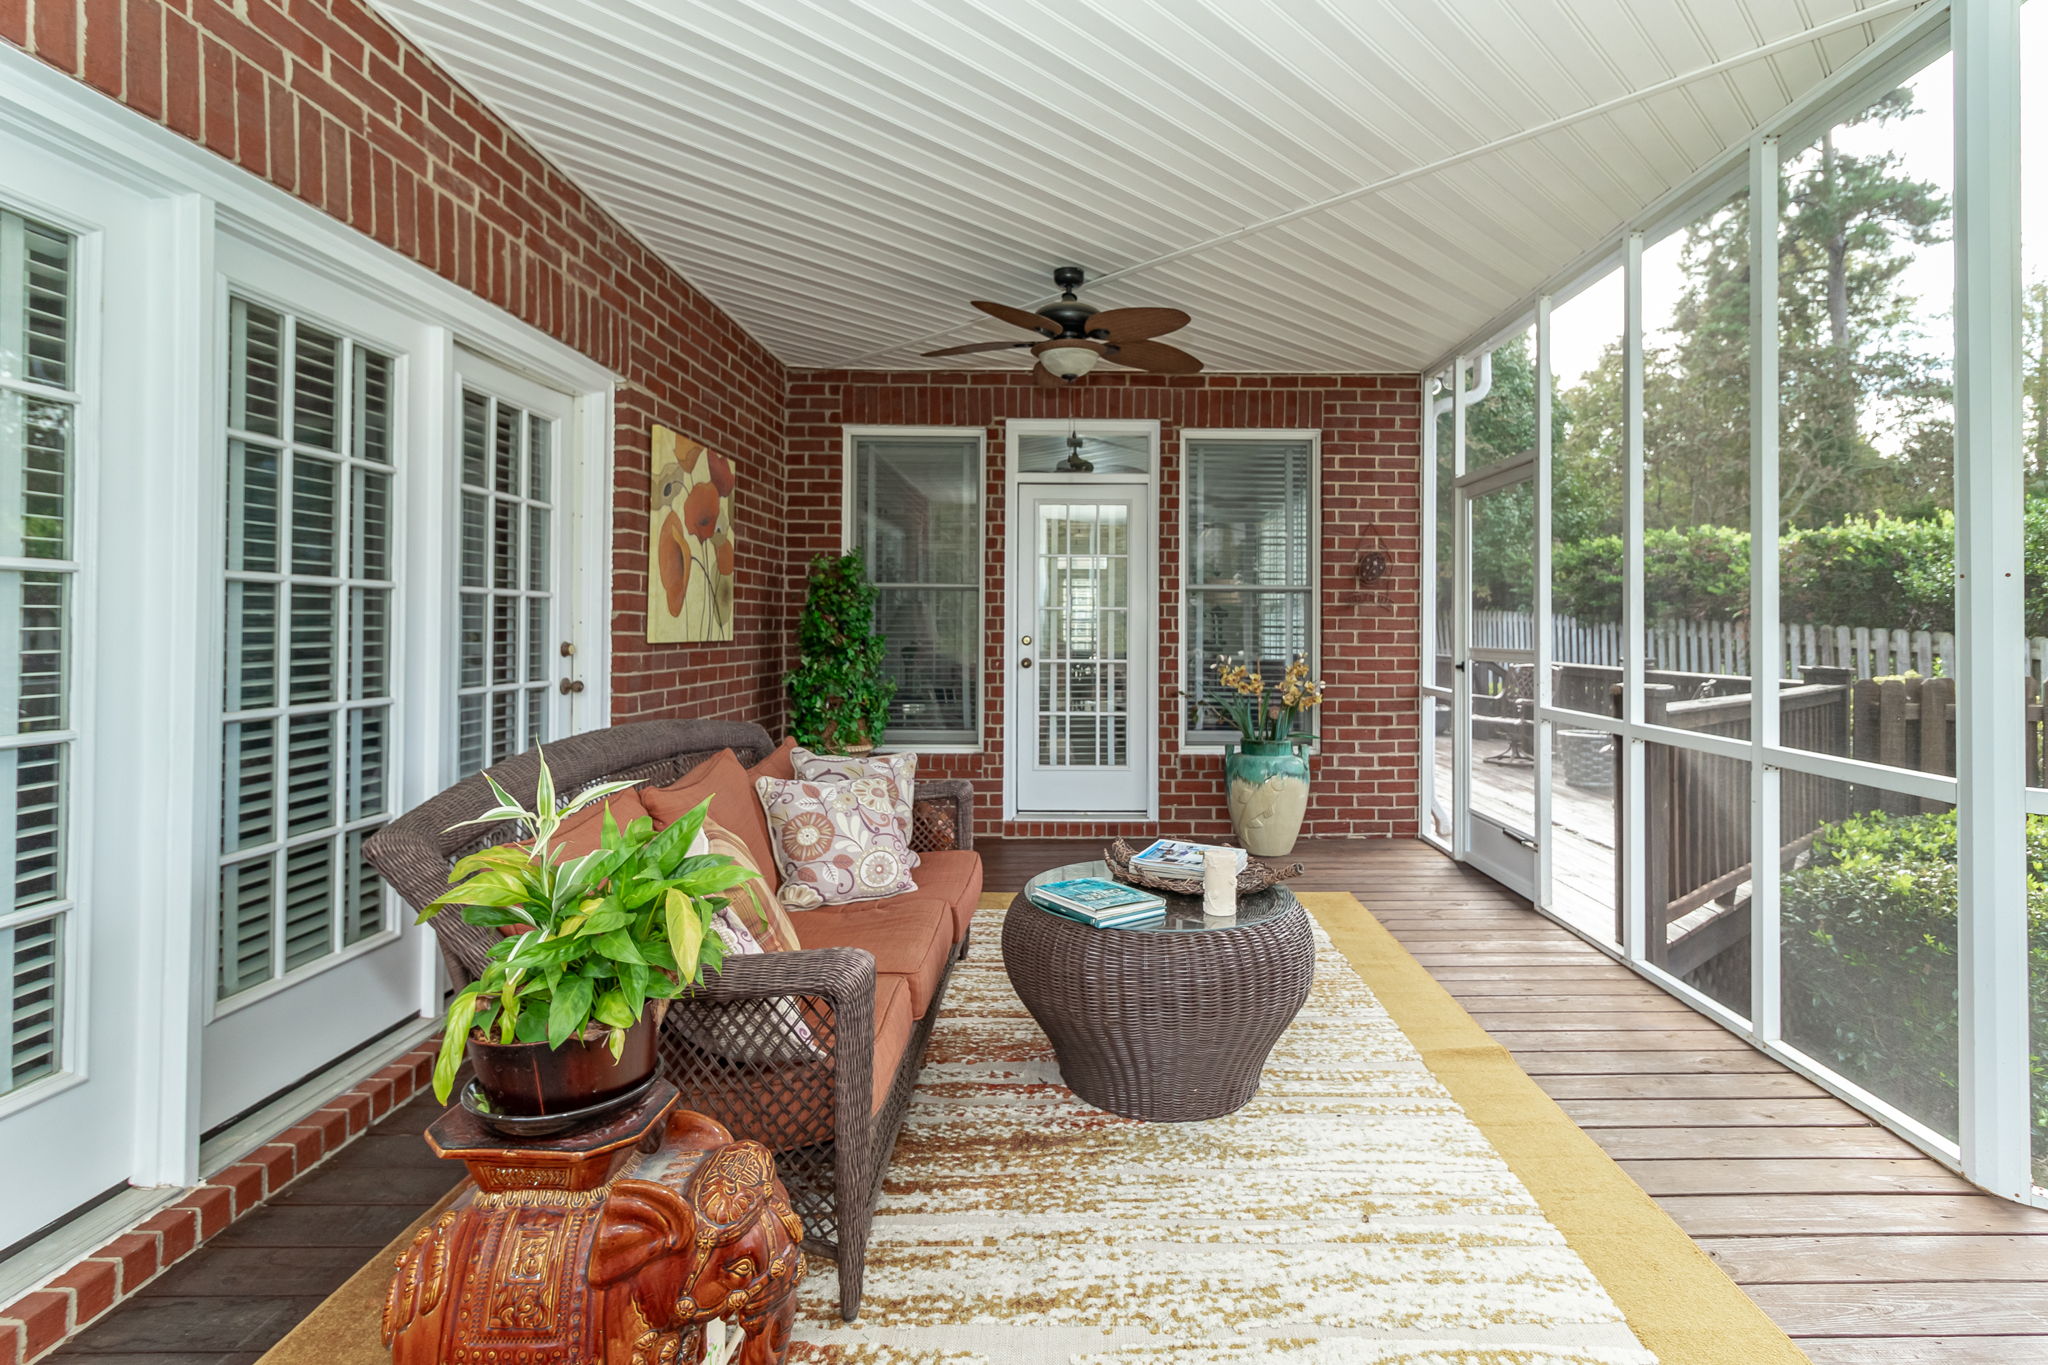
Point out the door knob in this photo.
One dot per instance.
(1024, 663)
(571, 686)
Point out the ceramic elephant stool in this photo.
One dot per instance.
(612, 1247)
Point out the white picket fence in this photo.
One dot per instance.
(1723, 646)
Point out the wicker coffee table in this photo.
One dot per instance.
(1172, 1021)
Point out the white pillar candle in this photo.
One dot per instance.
(1219, 883)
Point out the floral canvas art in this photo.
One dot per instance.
(690, 542)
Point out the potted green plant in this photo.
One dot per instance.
(1267, 769)
(565, 1013)
(839, 697)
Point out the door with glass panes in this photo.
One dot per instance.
(71, 914)
(518, 680)
(310, 958)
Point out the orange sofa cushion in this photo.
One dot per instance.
(790, 1105)
(733, 805)
(780, 765)
(910, 938)
(582, 832)
(951, 875)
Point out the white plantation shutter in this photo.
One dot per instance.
(38, 419)
(307, 679)
(917, 519)
(505, 580)
(1249, 563)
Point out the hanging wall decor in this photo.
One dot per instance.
(690, 542)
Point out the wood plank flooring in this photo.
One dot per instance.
(236, 1297)
(1857, 1245)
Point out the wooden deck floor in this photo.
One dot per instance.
(1861, 1248)
(1856, 1244)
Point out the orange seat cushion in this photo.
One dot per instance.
(733, 805)
(952, 875)
(790, 1105)
(780, 765)
(910, 938)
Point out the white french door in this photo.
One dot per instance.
(311, 957)
(71, 924)
(1083, 653)
(517, 661)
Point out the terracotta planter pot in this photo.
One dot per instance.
(527, 1079)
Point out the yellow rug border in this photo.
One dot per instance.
(1679, 1303)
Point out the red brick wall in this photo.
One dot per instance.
(1365, 773)
(326, 101)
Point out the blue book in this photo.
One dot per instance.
(1115, 919)
(1095, 896)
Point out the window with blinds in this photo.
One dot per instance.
(506, 594)
(307, 714)
(38, 739)
(1250, 564)
(917, 518)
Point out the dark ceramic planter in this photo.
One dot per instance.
(532, 1078)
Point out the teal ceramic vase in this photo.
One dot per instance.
(1268, 781)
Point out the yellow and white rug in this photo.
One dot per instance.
(1353, 1214)
(1399, 1193)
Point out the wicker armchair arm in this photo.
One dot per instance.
(840, 980)
(845, 977)
(956, 793)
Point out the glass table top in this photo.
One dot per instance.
(1183, 913)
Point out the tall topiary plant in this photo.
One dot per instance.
(838, 696)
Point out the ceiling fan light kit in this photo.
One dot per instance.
(1078, 336)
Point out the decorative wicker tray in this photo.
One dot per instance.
(1256, 877)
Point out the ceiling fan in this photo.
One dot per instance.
(1074, 336)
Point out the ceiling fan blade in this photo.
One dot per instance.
(1137, 324)
(1046, 379)
(1018, 317)
(980, 346)
(1154, 357)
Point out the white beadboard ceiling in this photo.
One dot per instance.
(1327, 185)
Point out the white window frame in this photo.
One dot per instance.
(849, 540)
(1192, 739)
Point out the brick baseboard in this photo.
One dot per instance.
(40, 1321)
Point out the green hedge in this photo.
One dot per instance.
(1869, 962)
(1866, 571)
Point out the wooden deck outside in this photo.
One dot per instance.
(1860, 1247)
(1856, 1244)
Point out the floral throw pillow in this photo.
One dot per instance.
(900, 769)
(836, 841)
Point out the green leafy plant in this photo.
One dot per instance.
(838, 694)
(598, 937)
(1869, 960)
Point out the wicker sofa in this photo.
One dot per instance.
(813, 1052)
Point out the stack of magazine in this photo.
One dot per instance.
(1177, 859)
(1102, 904)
